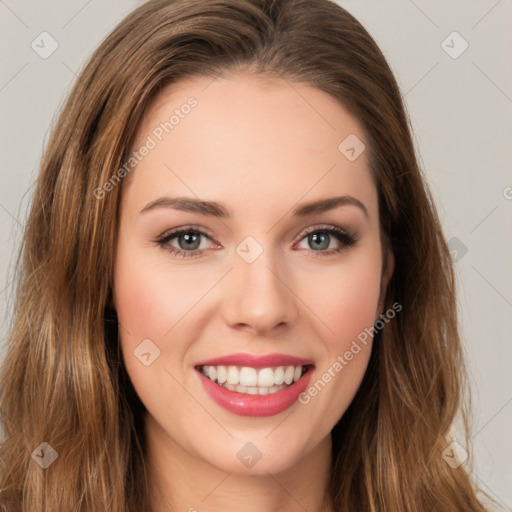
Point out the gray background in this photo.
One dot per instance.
(461, 111)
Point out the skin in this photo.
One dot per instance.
(260, 158)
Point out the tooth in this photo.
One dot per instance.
(279, 376)
(264, 380)
(222, 374)
(254, 390)
(248, 376)
(266, 377)
(288, 374)
(233, 375)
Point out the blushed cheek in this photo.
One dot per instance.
(141, 311)
(142, 315)
(146, 298)
(136, 305)
(349, 310)
(346, 303)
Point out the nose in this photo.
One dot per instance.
(259, 296)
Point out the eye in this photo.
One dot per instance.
(188, 240)
(320, 239)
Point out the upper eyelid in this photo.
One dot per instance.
(175, 231)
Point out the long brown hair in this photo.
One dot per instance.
(63, 381)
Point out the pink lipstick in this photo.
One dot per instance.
(251, 385)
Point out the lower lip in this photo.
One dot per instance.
(255, 405)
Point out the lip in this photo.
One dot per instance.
(243, 404)
(254, 361)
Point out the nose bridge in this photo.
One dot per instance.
(258, 296)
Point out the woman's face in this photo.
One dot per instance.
(256, 274)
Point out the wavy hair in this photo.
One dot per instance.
(63, 380)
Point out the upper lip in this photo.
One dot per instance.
(256, 361)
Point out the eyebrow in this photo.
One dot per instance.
(215, 209)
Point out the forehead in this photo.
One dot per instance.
(245, 136)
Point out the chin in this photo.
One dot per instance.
(255, 457)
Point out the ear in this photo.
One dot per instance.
(387, 272)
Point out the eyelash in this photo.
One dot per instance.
(347, 240)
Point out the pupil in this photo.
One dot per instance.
(189, 239)
(314, 237)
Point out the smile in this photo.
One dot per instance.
(252, 385)
(254, 381)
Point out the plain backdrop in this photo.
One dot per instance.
(452, 61)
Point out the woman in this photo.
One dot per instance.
(255, 369)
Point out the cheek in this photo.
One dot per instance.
(345, 298)
(140, 304)
(146, 307)
(154, 301)
(149, 299)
